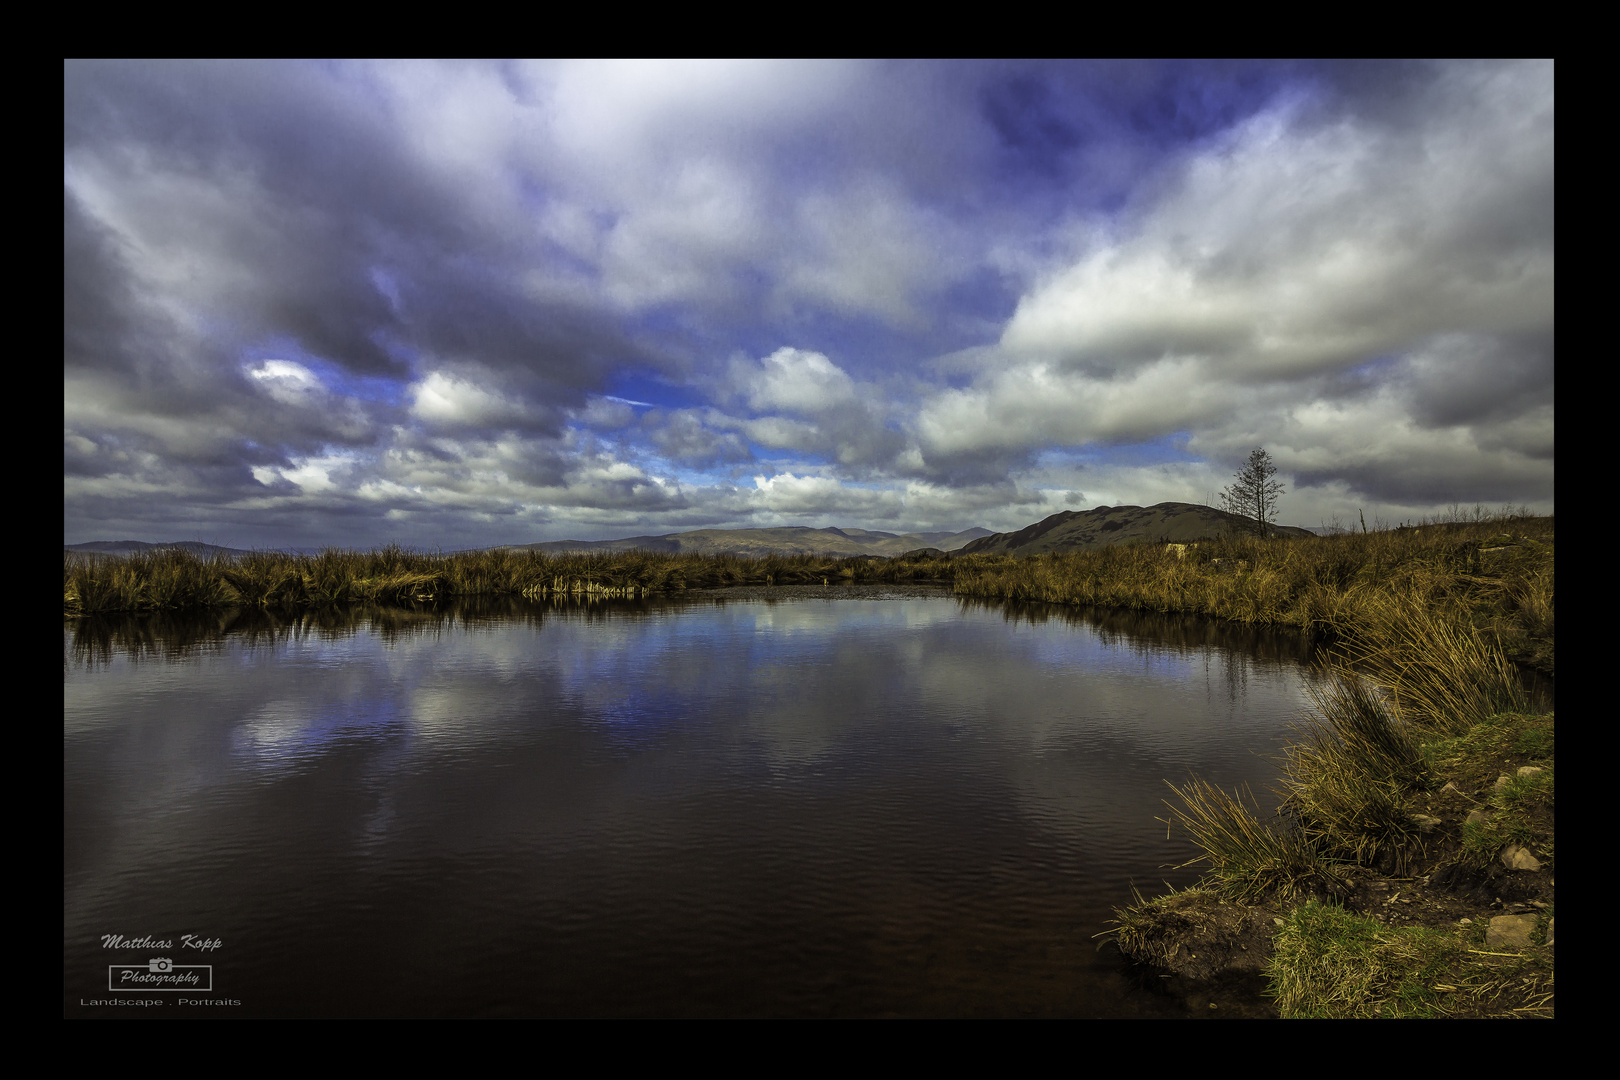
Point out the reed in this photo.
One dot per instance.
(1347, 776)
(1247, 858)
(1441, 672)
(177, 580)
(1495, 573)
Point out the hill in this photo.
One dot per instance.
(1088, 530)
(782, 541)
(122, 548)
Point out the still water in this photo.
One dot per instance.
(803, 803)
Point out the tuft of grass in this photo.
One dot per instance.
(1152, 930)
(1440, 671)
(1346, 776)
(1247, 859)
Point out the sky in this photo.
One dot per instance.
(456, 305)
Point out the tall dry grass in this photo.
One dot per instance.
(1247, 857)
(173, 580)
(1421, 624)
(1495, 574)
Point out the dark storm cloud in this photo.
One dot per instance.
(290, 200)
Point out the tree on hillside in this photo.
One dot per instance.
(1253, 493)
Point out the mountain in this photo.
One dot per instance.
(1071, 530)
(122, 548)
(1088, 530)
(783, 541)
(789, 541)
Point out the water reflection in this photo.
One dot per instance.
(799, 804)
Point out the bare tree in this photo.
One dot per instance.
(1253, 493)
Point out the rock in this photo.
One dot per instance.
(1510, 932)
(1529, 770)
(1515, 857)
(1425, 823)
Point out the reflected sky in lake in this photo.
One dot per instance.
(846, 806)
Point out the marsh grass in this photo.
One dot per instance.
(175, 580)
(1491, 573)
(1348, 772)
(1441, 671)
(1247, 858)
(1497, 572)
(1354, 765)
(1420, 690)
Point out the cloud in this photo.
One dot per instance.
(446, 400)
(1302, 242)
(793, 380)
(468, 303)
(1252, 280)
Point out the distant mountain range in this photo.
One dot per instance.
(789, 540)
(794, 540)
(121, 548)
(1088, 530)
(1071, 530)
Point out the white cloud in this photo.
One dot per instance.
(288, 382)
(443, 398)
(793, 380)
(1298, 244)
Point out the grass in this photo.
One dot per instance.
(1354, 785)
(179, 580)
(1346, 775)
(1152, 930)
(1247, 859)
(1489, 579)
(1356, 763)
(1519, 809)
(1332, 964)
(1440, 670)
(1421, 704)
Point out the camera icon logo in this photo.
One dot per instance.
(160, 964)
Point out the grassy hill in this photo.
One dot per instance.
(1092, 530)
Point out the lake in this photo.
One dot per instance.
(789, 802)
